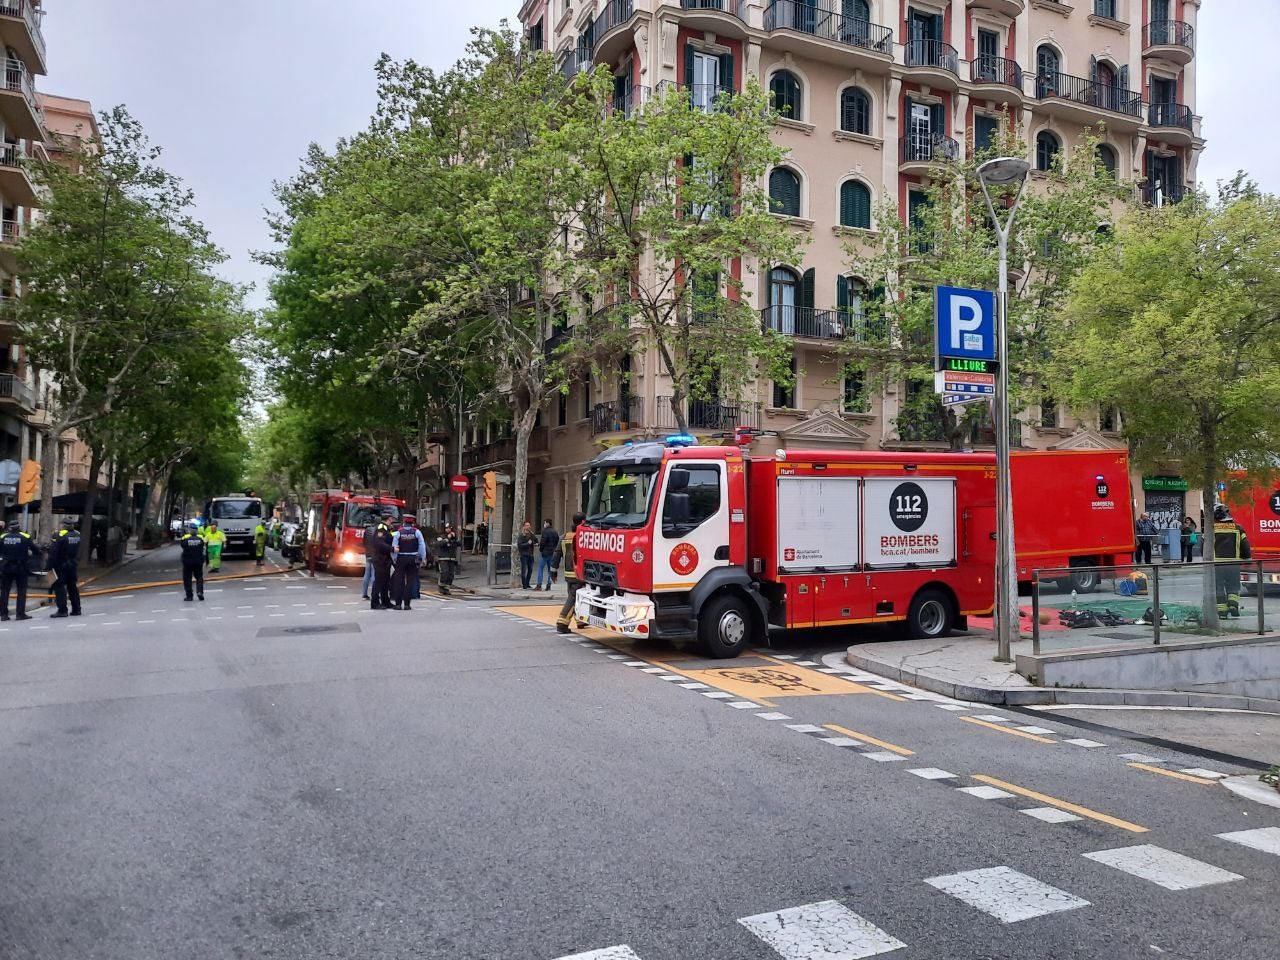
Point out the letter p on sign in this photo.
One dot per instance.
(966, 317)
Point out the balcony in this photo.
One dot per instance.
(1083, 101)
(806, 323)
(1157, 194)
(502, 452)
(627, 103)
(1173, 120)
(20, 29)
(11, 234)
(726, 17)
(626, 413)
(18, 104)
(812, 32)
(609, 36)
(1172, 40)
(917, 154)
(1006, 8)
(15, 394)
(719, 415)
(704, 96)
(1000, 79)
(15, 183)
(932, 62)
(569, 68)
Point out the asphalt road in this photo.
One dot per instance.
(279, 772)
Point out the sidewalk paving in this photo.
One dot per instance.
(963, 666)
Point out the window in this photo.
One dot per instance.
(784, 297)
(1107, 158)
(984, 132)
(1108, 419)
(1105, 8)
(784, 191)
(239, 510)
(988, 65)
(693, 498)
(917, 203)
(704, 295)
(1048, 66)
(562, 410)
(855, 111)
(707, 75)
(1047, 147)
(855, 205)
(367, 514)
(784, 397)
(535, 36)
(855, 397)
(785, 88)
(1048, 411)
(586, 401)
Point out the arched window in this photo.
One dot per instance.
(784, 298)
(855, 111)
(855, 205)
(1047, 147)
(1048, 67)
(1107, 158)
(785, 88)
(784, 192)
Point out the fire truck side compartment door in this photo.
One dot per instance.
(817, 523)
(909, 522)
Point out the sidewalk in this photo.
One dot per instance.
(472, 580)
(963, 666)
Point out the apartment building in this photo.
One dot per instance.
(874, 93)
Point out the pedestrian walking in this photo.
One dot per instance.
(215, 540)
(548, 543)
(526, 543)
(17, 551)
(447, 550)
(408, 553)
(1145, 533)
(260, 542)
(381, 546)
(195, 552)
(569, 562)
(1188, 536)
(481, 545)
(64, 560)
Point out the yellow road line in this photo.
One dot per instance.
(1061, 804)
(891, 747)
(1170, 773)
(1003, 729)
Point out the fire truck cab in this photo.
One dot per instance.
(336, 521)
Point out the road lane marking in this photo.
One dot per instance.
(1164, 868)
(1202, 772)
(824, 929)
(1006, 894)
(804, 728)
(743, 705)
(993, 718)
(953, 707)
(1061, 804)
(773, 716)
(620, 952)
(1050, 814)
(1141, 758)
(867, 738)
(1169, 773)
(931, 773)
(1008, 730)
(1082, 742)
(984, 792)
(1266, 839)
(1033, 729)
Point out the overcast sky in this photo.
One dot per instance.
(234, 90)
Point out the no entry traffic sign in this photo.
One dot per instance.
(460, 483)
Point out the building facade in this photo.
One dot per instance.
(873, 93)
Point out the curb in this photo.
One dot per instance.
(1030, 696)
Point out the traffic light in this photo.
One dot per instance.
(29, 481)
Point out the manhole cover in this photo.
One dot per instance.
(308, 630)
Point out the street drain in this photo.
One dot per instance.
(308, 631)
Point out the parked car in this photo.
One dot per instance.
(292, 539)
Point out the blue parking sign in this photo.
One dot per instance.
(964, 324)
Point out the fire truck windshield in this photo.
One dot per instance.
(620, 496)
(367, 514)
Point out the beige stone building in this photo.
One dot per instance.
(874, 92)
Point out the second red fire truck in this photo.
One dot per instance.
(688, 543)
(336, 522)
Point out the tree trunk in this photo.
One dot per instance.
(46, 523)
(90, 503)
(678, 410)
(1208, 495)
(524, 421)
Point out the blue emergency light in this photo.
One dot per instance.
(681, 440)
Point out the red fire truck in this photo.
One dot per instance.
(336, 523)
(707, 543)
(1257, 510)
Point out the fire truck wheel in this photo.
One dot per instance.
(1082, 579)
(930, 615)
(725, 625)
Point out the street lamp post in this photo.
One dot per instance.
(1003, 171)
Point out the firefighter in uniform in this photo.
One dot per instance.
(64, 559)
(379, 545)
(408, 553)
(17, 550)
(195, 549)
(1229, 543)
(447, 549)
(569, 557)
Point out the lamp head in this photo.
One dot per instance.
(1002, 170)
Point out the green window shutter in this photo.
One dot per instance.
(855, 205)
(937, 27)
(842, 294)
(688, 65)
(806, 289)
(1124, 77)
(1093, 70)
(984, 132)
(726, 72)
(937, 121)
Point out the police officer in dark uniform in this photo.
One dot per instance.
(17, 551)
(64, 560)
(194, 552)
(408, 553)
(378, 545)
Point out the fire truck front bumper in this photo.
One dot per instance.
(628, 614)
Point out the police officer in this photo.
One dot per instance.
(17, 551)
(448, 546)
(1229, 543)
(408, 553)
(64, 558)
(569, 557)
(379, 545)
(194, 551)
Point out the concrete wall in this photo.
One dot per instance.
(1246, 667)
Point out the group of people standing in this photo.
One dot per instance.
(547, 544)
(394, 556)
(20, 556)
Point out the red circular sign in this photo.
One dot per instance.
(459, 483)
(684, 557)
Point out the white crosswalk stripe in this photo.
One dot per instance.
(827, 930)
(622, 952)
(1006, 894)
(1050, 814)
(1266, 839)
(1167, 869)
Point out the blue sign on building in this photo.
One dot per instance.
(964, 324)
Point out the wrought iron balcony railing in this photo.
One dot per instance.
(1169, 115)
(827, 25)
(625, 413)
(928, 148)
(997, 70)
(932, 53)
(1173, 33)
(822, 324)
(30, 13)
(1085, 91)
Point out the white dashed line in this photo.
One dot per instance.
(931, 773)
(1006, 894)
(773, 716)
(824, 929)
(1082, 742)
(1164, 868)
(984, 792)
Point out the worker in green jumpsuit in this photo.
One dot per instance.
(260, 541)
(215, 540)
